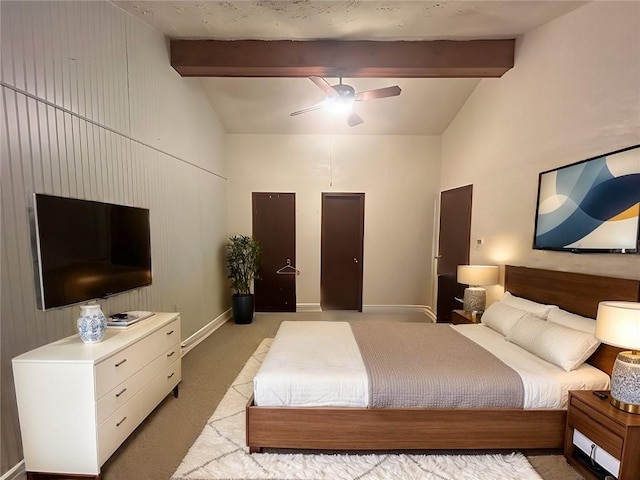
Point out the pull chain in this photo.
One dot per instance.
(331, 160)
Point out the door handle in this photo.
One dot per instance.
(355, 260)
(437, 256)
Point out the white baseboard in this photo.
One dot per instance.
(424, 309)
(308, 307)
(429, 312)
(17, 472)
(216, 323)
(204, 332)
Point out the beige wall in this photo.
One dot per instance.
(574, 93)
(92, 109)
(399, 176)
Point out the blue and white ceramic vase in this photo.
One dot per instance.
(91, 323)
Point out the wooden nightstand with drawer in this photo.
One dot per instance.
(460, 316)
(609, 435)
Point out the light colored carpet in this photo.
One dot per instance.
(220, 452)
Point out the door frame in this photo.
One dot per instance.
(361, 197)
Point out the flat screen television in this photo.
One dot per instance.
(591, 206)
(84, 250)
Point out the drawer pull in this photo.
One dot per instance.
(121, 422)
(171, 354)
(169, 333)
(172, 374)
(121, 362)
(121, 392)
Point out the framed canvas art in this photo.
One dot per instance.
(591, 206)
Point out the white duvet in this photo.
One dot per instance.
(312, 364)
(317, 364)
(545, 385)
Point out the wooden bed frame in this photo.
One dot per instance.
(346, 428)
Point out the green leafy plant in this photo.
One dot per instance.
(243, 262)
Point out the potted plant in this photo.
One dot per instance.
(243, 261)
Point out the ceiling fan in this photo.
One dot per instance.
(342, 97)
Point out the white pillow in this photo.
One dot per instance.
(538, 309)
(571, 320)
(562, 346)
(501, 317)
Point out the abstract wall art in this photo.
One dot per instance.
(591, 206)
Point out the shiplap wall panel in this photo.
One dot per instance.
(214, 280)
(72, 54)
(10, 449)
(156, 123)
(92, 109)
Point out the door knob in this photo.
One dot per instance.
(355, 260)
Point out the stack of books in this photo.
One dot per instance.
(126, 319)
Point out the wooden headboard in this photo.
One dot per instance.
(575, 292)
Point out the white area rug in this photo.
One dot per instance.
(220, 453)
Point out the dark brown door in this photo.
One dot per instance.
(453, 247)
(274, 226)
(341, 251)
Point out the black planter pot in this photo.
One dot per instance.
(242, 307)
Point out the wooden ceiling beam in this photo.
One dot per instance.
(335, 58)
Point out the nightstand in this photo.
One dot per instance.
(460, 316)
(610, 429)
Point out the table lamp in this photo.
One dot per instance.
(618, 324)
(476, 276)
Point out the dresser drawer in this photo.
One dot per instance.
(115, 429)
(122, 393)
(160, 386)
(119, 367)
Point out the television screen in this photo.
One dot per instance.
(591, 206)
(85, 250)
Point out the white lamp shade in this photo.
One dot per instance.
(618, 324)
(478, 274)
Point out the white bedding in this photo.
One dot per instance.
(545, 385)
(312, 364)
(319, 364)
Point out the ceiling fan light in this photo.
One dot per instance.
(338, 104)
(340, 98)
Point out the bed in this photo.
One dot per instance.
(409, 428)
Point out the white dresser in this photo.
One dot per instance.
(78, 402)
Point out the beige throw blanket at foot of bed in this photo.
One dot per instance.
(430, 365)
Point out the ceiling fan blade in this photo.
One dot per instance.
(378, 93)
(323, 85)
(305, 110)
(354, 119)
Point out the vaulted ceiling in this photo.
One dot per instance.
(262, 105)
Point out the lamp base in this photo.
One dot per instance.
(625, 382)
(475, 298)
